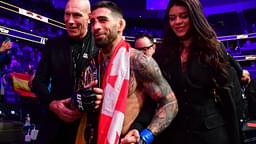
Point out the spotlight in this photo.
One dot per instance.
(13, 112)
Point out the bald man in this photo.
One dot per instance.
(68, 64)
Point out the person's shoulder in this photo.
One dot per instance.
(134, 52)
(140, 60)
(137, 55)
(61, 38)
(58, 41)
(253, 83)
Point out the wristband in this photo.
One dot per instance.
(147, 136)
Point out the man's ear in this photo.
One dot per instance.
(121, 25)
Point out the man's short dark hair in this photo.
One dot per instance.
(142, 35)
(109, 5)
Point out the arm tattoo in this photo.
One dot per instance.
(148, 71)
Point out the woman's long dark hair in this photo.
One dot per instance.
(204, 38)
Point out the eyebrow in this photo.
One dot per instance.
(100, 17)
(73, 12)
(179, 13)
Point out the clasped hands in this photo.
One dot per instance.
(68, 113)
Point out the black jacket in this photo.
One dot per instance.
(200, 119)
(5, 58)
(56, 69)
(250, 93)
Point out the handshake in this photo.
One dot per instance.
(85, 99)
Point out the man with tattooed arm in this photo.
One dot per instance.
(144, 79)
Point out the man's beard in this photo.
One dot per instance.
(105, 42)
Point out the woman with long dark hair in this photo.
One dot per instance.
(196, 66)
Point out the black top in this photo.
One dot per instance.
(57, 68)
(200, 119)
(5, 58)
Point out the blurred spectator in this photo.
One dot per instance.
(15, 65)
(253, 28)
(145, 43)
(4, 59)
(246, 78)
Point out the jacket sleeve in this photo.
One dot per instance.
(5, 58)
(237, 67)
(250, 93)
(41, 81)
(237, 92)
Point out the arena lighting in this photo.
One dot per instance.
(22, 35)
(220, 38)
(42, 40)
(21, 11)
(237, 37)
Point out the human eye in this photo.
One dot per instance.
(67, 14)
(184, 16)
(77, 15)
(145, 48)
(172, 17)
(103, 19)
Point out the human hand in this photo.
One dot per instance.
(6, 45)
(89, 98)
(99, 97)
(132, 137)
(99, 94)
(64, 111)
(31, 80)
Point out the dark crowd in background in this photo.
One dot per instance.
(25, 55)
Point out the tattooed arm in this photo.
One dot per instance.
(148, 72)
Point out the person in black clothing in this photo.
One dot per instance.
(196, 65)
(250, 93)
(5, 58)
(69, 65)
(4, 52)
